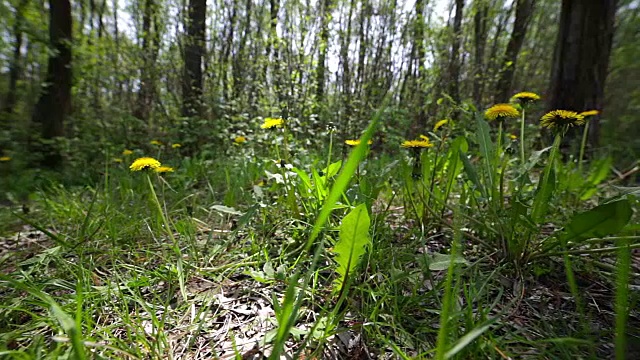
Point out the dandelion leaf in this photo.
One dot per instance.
(439, 262)
(353, 243)
(603, 220)
(332, 170)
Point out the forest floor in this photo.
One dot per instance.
(133, 305)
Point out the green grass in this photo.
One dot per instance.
(232, 255)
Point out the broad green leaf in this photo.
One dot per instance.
(483, 137)
(587, 194)
(320, 185)
(535, 158)
(304, 180)
(353, 243)
(602, 169)
(454, 163)
(225, 210)
(428, 164)
(471, 172)
(439, 262)
(543, 197)
(520, 216)
(600, 221)
(331, 170)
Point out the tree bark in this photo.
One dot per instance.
(345, 39)
(194, 50)
(149, 52)
(480, 19)
(225, 62)
(272, 41)
(581, 58)
(493, 68)
(418, 54)
(54, 104)
(322, 52)
(15, 70)
(454, 60)
(365, 13)
(524, 10)
(240, 63)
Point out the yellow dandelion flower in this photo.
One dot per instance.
(590, 113)
(561, 118)
(117, 160)
(356, 142)
(440, 124)
(501, 112)
(270, 123)
(422, 143)
(144, 163)
(176, 146)
(163, 169)
(127, 152)
(155, 142)
(525, 97)
(240, 140)
(5, 158)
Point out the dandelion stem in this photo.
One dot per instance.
(583, 145)
(330, 148)
(167, 228)
(522, 158)
(499, 147)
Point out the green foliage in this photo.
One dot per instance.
(603, 220)
(352, 244)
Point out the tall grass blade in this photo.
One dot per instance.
(448, 299)
(622, 299)
(67, 322)
(468, 338)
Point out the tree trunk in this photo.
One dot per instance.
(581, 58)
(479, 45)
(149, 53)
(194, 50)
(15, 70)
(322, 52)
(225, 61)
(362, 51)
(454, 60)
(418, 54)
(272, 53)
(54, 103)
(240, 63)
(272, 41)
(493, 68)
(115, 57)
(345, 39)
(524, 10)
